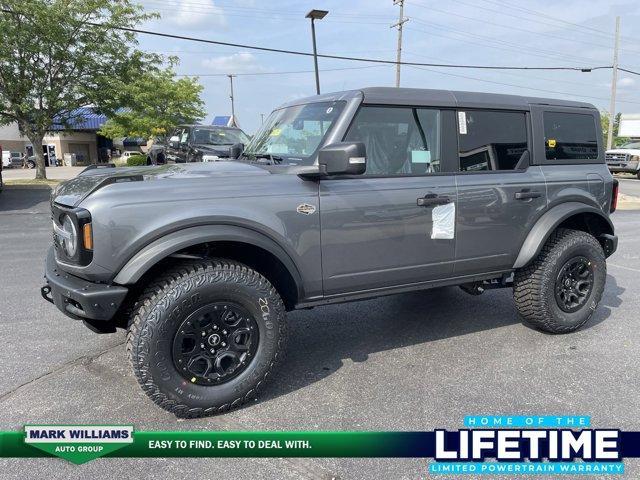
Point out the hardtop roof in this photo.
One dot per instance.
(439, 98)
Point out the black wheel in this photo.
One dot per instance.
(31, 164)
(638, 174)
(205, 336)
(559, 291)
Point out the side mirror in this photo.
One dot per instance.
(236, 150)
(344, 158)
(524, 161)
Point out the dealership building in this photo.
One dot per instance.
(81, 140)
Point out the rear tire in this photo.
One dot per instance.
(234, 349)
(559, 291)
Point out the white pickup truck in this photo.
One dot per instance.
(625, 159)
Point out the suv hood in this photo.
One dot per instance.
(72, 192)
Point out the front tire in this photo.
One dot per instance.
(559, 291)
(205, 336)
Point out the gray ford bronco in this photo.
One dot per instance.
(338, 197)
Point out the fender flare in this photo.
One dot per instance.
(547, 223)
(173, 242)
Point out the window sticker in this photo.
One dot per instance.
(420, 156)
(275, 132)
(462, 123)
(443, 219)
(551, 143)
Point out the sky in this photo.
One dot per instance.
(575, 33)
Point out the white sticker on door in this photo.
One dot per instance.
(462, 123)
(443, 222)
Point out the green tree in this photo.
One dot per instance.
(59, 55)
(155, 102)
(604, 121)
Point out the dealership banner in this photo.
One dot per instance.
(508, 445)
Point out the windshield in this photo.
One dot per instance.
(219, 136)
(294, 133)
(634, 145)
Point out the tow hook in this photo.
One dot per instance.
(475, 288)
(46, 293)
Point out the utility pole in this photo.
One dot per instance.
(262, 118)
(233, 109)
(614, 82)
(401, 22)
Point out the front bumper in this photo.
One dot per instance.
(80, 299)
(623, 167)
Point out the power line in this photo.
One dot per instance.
(628, 71)
(248, 13)
(518, 75)
(509, 27)
(559, 20)
(334, 57)
(214, 7)
(512, 46)
(290, 72)
(555, 92)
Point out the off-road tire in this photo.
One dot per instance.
(534, 285)
(164, 305)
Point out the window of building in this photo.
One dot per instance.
(399, 140)
(491, 140)
(570, 136)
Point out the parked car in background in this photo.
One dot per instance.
(197, 143)
(1, 165)
(128, 154)
(625, 159)
(11, 159)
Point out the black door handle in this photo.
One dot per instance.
(431, 199)
(525, 195)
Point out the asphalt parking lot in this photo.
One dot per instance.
(415, 361)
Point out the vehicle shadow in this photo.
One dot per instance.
(321, 340)
(20, 198)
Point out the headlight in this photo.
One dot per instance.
(70, 239)
(635, 158)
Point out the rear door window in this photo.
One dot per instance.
(570, 136)
(491, 140)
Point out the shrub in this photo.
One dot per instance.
(136, 160)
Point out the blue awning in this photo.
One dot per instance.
(85, 118)
(221, 121)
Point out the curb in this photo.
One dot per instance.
(28, 187)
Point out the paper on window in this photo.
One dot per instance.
(462, 123)
(420, 156)
(443, 222)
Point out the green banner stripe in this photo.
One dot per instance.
(245, 444)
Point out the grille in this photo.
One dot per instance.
(617, 157)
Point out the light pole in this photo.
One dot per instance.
(316, 15)
(233, 109)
